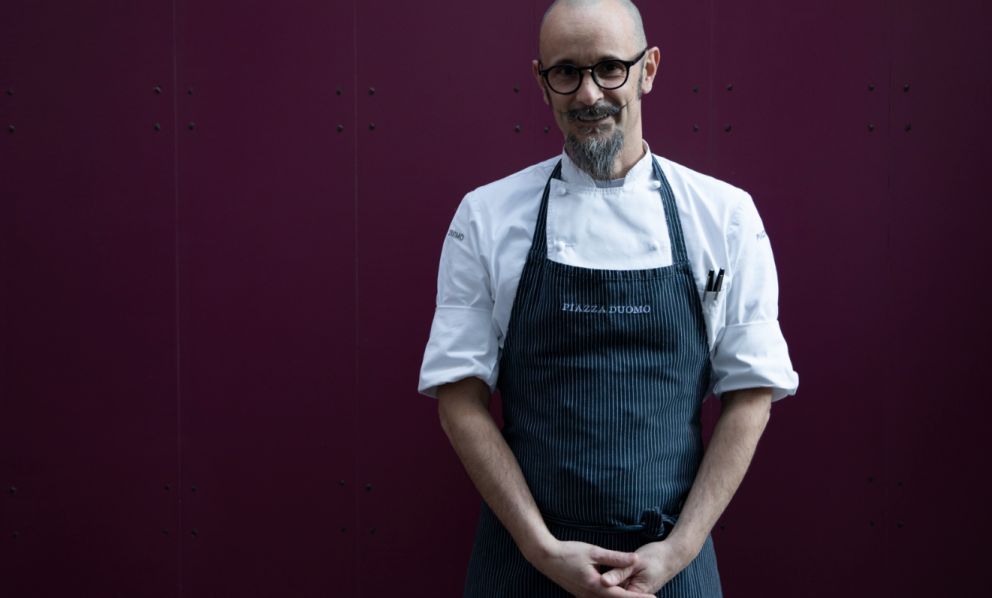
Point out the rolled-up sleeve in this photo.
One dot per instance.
(751, 351)
(463, 340)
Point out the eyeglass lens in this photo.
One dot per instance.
(566, 78)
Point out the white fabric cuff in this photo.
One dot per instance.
(462, 344)
(754, 355)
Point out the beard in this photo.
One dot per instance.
(594, 155)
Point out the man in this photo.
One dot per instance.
(606, 293)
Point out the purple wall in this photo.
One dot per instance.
(219, 231)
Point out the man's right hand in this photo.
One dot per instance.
(575, 567)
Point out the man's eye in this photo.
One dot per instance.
(609, 69)
(565, 70)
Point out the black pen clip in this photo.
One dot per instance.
(719, 282)
(709, 284)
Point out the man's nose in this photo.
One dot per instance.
(588, 92)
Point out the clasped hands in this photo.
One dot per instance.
(576, 567)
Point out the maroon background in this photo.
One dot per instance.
(210, 333)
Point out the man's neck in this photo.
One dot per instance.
(631, 154)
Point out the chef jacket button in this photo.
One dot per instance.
(654, 246)
(562, 191)
(656, 185)
(560, 246)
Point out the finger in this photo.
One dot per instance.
(617, 576)
(637, 588)
(618, 592)
(612, 558)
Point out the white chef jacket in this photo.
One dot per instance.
(620, 227)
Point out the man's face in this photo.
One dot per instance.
(584, 35)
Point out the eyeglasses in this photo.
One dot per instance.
(566, 79)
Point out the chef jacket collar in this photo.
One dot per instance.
(641, 173)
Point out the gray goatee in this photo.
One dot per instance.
(594, 155)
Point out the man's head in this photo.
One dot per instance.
(602, 127)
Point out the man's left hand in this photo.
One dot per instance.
(659, 562)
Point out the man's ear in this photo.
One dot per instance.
(652, 59)
(536, 70)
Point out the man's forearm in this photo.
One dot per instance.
(742, 420)
(464, 412)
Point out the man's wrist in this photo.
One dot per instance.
(685, 548)
(539, 547)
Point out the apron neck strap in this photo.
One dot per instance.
(539, 244)
(675, 236)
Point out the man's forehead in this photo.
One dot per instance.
(587, 32)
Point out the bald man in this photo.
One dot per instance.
(606, 293)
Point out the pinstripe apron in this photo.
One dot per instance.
(602, 378)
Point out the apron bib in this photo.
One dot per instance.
(602, 378)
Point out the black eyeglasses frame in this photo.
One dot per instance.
(592, 72)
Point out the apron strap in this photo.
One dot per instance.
(653, 525)
(679, 254)
(539, 244)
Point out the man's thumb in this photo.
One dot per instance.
(616, 576)
(612, 558)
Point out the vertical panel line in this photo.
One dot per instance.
(356, 579)
(889, 148)
(712, 126)
(179, 403)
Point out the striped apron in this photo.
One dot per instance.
(602, 378)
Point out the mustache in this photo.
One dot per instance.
(597, 110)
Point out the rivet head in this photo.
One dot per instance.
(371, 91)
(871, 127)
(13, 490)
(546, 129)
(191, 126)
(516, 128)
(907, 128)
(340, 128)
(11, 128)
(730, 87)
(695, 89)
(157, 89)
(516, 89)
(695, 128)
(368, 487)
(371, 126)
(871, 87)
(158, 127)
(728, 128)
(905, 88)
